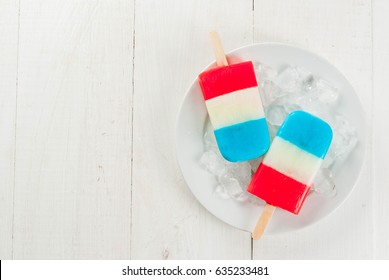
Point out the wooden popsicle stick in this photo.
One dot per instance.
(221, 59)
(263, 221)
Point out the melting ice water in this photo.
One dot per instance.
(291, 89)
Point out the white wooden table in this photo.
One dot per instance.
(89, 93)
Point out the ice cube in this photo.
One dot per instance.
(309, 83)
(265, 72)
(290, 107)
(232, 187)
(310, 103)
(275, 114)
(321, 89)
(241, 171)
(273, 129)
(209, 136)
(220, 192)
(345, 137)
(270, 92)
(290, 79)
(213, 162)
(327, 93)
(344, 141)
(330, 158)
(324, 184)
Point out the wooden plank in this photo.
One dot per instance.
(341, 32)
(172, 47)
(380, 123)
(8, 78)
(73, 148)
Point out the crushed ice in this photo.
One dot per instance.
(282, 92)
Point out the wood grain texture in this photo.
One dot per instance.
(340, 31)
(66, 154)
(380, 123)
(172, 47)
(73, 138)
(8, 67)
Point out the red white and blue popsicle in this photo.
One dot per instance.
(286, 174)
(235, 109)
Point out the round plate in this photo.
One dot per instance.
(244, 215)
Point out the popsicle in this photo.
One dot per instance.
(286, 174)
(234, 106)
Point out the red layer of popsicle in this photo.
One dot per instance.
(226, 79)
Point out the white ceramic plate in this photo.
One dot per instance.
(244, 215)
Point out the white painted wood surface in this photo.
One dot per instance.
(73, 138)
(93, 88)
(8, 68)
(380, 127)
